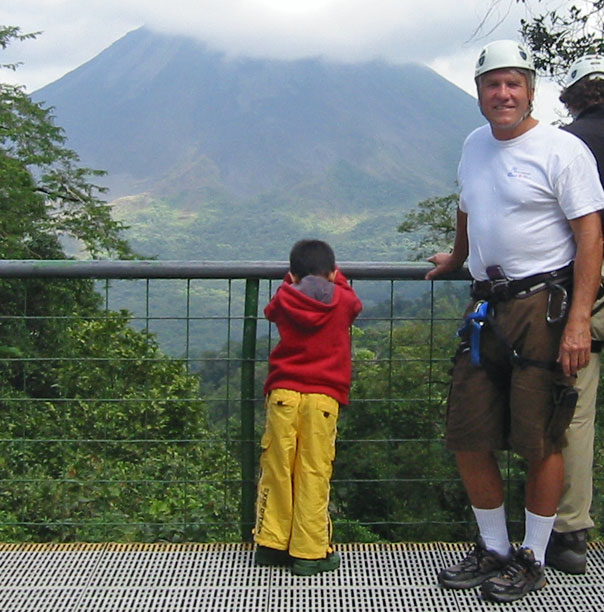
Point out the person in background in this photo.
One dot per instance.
(583, 96)
(529, 223)
(309, 377)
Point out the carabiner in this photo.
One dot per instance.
(563, 304)
(473, 326)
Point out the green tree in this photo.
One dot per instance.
(44, 196)
(557, 37)
(136, 459)
(103, 435)
(45, 192)
(432, 224)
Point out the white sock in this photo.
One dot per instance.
(537, 531)
(493, 529)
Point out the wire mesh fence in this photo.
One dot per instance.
(131, 403)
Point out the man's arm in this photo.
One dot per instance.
(575, 344)
(449, 262)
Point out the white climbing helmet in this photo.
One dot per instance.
(588, 65)
(503, 54)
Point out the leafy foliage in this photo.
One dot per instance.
(433, 224)
(136, 458)
(559, 36)
(44, 190)
(104, 437)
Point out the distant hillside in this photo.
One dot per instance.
(220, 158)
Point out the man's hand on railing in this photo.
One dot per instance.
(444, 263)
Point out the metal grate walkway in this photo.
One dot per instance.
(222, 577)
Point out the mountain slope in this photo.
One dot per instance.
(263, 146)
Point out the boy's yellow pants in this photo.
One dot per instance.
(298, 449)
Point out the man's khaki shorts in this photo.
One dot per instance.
(500, 405)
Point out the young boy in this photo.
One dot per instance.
(309, 377)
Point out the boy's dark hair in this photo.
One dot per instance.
(311, 257)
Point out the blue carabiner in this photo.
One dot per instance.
(473, 324)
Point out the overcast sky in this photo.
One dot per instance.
(443, 34)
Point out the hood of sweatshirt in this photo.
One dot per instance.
(306, 311)
(316, 287)
(301, 309)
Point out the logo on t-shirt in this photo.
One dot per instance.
(515, 172)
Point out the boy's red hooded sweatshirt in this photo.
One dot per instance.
(313, 355)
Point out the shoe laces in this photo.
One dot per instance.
(519, 566)
(474, 557)
(513, 570)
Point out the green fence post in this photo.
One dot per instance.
(248, 363)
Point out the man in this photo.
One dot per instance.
(583, 96)
(528, 209)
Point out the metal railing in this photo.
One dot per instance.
(139, 417)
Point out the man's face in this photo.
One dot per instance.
(505, 100)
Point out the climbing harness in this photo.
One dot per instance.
(472, 328)
(499, 289)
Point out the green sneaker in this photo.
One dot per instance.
(266, 556)
(310, 567)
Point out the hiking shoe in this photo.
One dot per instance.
(310, 567)
(271, 556)
(478, 565)
(520, 576)
(567, 552)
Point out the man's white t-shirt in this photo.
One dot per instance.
(519, 195)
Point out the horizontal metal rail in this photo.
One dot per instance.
(100, 269)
